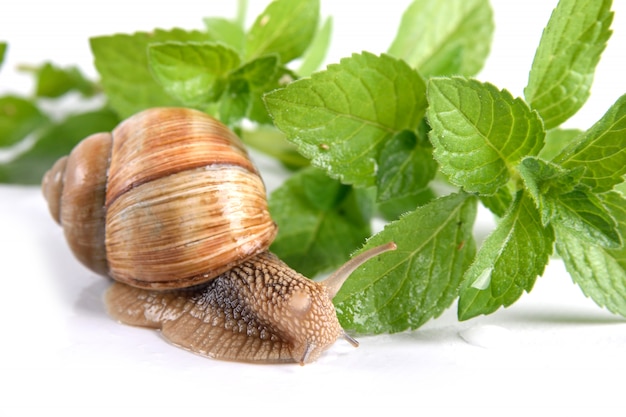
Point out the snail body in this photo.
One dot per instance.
(170, 207)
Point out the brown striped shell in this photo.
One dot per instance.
(169, 199)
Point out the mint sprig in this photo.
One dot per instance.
(406, 136)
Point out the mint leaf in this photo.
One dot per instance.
(584, 214)
(556, 140)
(54, 81)
(480, 133)
(499, 202)
(235, 102)
(601, 150)
(340, 118)
(562, 71)
(57, 141)
(286, 28)
(562, 199)
(320, 222)
(600, 272)
(508, 262)
(227, 32)
(122, 61)
(18, 118)
(396, 207)
(193, 72)
(315, 54)
(405, 169)
(445, 37)
(405, 166)
(546, 182)
(249, 83)
(404, 288)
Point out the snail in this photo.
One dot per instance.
(171, 208)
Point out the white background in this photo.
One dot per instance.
(553, 350)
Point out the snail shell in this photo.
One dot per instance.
(169, 205)
(184, 182)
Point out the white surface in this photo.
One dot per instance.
(553, 350)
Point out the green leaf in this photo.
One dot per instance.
(258, 73)
(499, 202)
(600, 272)
(396, 207)
(286, 28)
(480, 133)
(403, 289)
(54, 81)
(193, 72)
(556, 140)
(320, 221)
(3, 50)
(18, 118)
(601, 150)
(57, 141)
(340, 118)
(122, 61)
(254, 79)
(584, 214)
(546, 182)
(405, 166)
(445, 37)
(227, 32)
(561, 199)
(235, 102)
(405, 169)
(315, 54)
(508, 262)
(562, 72)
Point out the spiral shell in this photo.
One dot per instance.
(169, 199)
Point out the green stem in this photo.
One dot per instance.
(242, 8)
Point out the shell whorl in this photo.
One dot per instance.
(75, 190)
